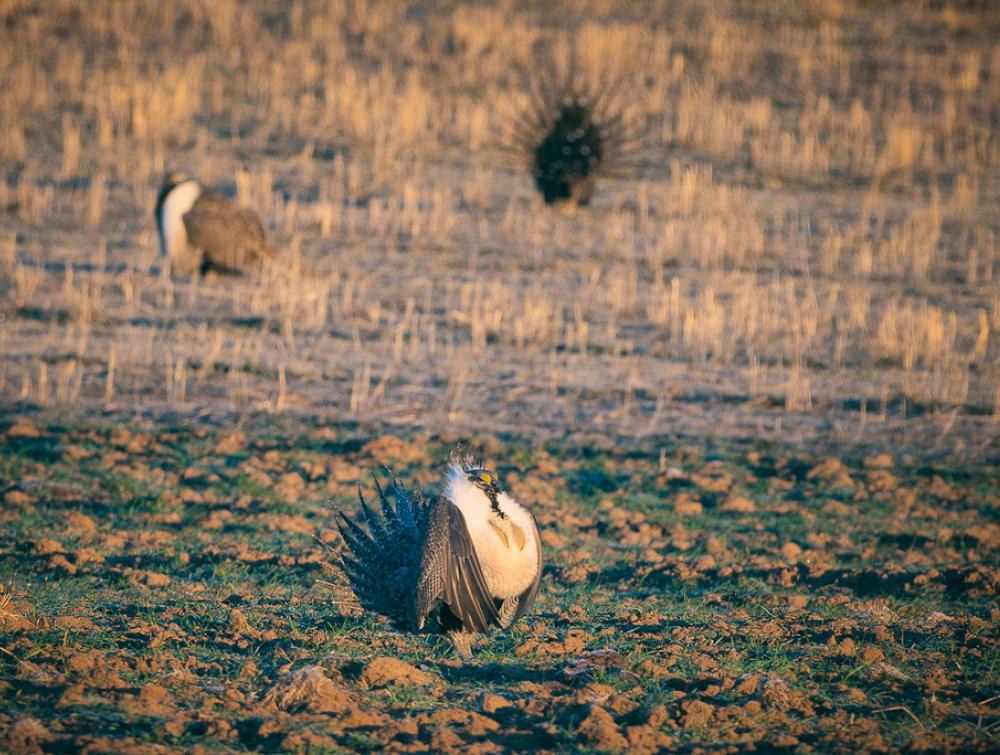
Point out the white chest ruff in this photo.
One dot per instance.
(508, 571)
(509, 566)
(173, 234)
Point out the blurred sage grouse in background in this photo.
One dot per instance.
(204, 231)
(466, 562)
(571, 134)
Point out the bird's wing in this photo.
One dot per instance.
(450, 571)
(230, 235)
(526, 598)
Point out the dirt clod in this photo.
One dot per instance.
(738, 504)
(599, 729)
(26, 735)
(309, 688)
(696, 713)
(387, 672)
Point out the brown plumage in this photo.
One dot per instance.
(202, 230)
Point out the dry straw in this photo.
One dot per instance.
(812, 226)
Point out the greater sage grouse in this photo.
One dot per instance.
(204, 231)
(571, 134)
(468, 561)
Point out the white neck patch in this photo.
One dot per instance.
(508, 570)
(472, 501)
(173, 234)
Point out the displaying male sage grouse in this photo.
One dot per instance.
(203, 231)
(468, 561)
(571, 134)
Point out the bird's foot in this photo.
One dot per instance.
(462, 642)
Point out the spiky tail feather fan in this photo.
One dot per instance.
(573, 131)
(383, 564)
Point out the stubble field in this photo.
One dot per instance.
(752, 391)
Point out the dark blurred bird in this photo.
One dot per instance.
(203, 231)
(466, 562)
(572, 134)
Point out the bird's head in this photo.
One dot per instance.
(175, 177)
(471, 481)
(484, 479)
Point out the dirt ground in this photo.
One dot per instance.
(163, 588)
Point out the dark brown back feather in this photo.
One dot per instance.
(230, 235)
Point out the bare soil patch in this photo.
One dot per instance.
(143, 604)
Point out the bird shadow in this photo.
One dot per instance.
(110, 268)
(493, 671)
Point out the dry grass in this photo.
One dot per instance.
(808, 246)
